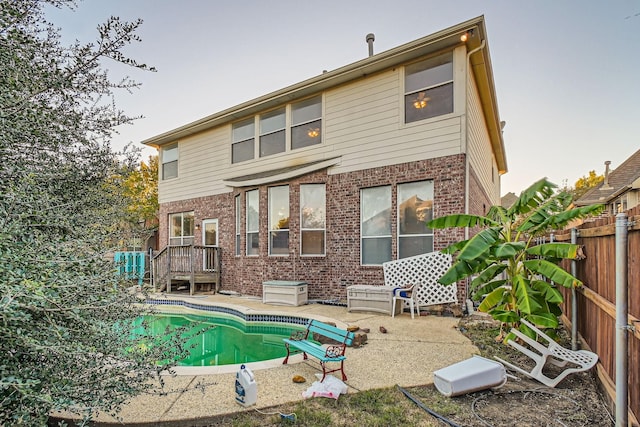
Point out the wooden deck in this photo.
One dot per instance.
(197, 267)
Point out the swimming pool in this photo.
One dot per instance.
(225, 340)
(236, 335)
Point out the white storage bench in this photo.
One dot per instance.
(371, 298)
(284, 292)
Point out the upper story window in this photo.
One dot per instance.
(306, 123)
(181, 228)
(294, 126)
(272, 133)
(279, 220)
(243, 145)
(428, 87)
(170, 161)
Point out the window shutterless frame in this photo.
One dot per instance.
(253, 222)
(312, 219)
(375, 225)
(279, 220)
(170, 162)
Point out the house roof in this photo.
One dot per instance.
(280, 174)
(442, 40)
(619, 180)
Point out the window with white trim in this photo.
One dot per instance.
(272, 133)
(181, 228)
(237, 204)
(291, 127)
(253, 222)
(170, 162)
(306, 123)
(279, 220)
(312, 219)
(428, 87)
(415, 209)
(243, 141)
(375, 225)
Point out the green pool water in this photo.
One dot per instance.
(226, 342)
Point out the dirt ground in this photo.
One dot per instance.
(575, 401)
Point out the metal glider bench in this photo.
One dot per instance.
(301, 341)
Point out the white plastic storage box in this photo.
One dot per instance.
(371, 298)
(476, 373)
(284, 292)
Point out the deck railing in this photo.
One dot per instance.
(189, 261)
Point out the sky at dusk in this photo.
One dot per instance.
(566, 72)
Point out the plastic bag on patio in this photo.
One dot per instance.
(330, 387)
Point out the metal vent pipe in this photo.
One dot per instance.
(370, 38)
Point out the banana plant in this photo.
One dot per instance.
(510, 274)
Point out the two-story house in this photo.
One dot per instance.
(326, 179)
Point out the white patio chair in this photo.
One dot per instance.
(574, 361)
(406, 294)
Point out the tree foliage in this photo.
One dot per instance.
(586, 183)
(64, 313)
(141, 190)
(513, 275)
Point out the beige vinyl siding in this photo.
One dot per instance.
(365, 126)
(199, 157)
(480, 153)
(362, 124)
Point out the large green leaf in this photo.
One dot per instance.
(459, 270)
(506, 316)
(563, 218)
(525, 295)
(455, 247)
(531, 198)
(552, 272)
(554, 250)
(544, 320)
(548, 291)
(488, 274)
(478, 246)
(492, 299)
(486, 289)
(460, 220)
(508, 249)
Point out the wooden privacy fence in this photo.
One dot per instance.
(596, 300)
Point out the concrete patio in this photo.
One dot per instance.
(406, 355)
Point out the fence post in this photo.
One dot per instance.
(574, 295)
(622, 358)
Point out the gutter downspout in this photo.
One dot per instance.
(466, 141)
(466, 131)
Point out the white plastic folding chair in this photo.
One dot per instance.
(407, 294)
(574, 361)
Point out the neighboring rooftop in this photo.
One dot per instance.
(616, 182)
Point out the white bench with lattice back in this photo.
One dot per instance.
(425, 270)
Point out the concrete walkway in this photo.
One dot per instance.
(406, 355)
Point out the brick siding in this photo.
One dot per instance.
(327, 276)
